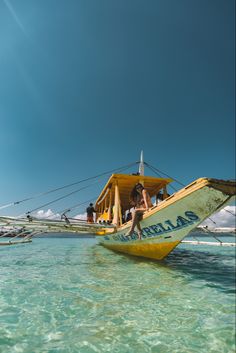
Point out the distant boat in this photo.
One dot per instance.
(206, 229)
(225, 230)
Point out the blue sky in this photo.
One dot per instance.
(85, 85)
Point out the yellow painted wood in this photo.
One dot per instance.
(151, 250)
(109, 207)
(116, 206)
(126, 184)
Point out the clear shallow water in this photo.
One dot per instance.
(71, 295)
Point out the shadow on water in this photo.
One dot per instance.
(217, 270)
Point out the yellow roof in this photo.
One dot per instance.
(126, 183)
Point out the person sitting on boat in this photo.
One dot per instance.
(141, 200)
(90, 211)
(161, 197)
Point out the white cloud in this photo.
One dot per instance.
(81, 216)
(49, 214)
(223, 218)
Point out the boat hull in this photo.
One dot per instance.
(152, 250)
(167, 224)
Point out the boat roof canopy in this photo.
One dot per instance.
(126, 183)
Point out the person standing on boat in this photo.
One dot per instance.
(90, 211)
(141, 200)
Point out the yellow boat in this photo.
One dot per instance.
(164, 225)
(167, 223)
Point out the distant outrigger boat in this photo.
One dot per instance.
(164, 225)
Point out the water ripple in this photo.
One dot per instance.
(69, 296)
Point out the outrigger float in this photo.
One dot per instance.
(164, 226)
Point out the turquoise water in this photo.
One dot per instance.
(71, 295)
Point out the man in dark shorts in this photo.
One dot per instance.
(90, 210)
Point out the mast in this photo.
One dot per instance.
(141, 165)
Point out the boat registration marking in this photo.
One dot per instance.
(153, 230)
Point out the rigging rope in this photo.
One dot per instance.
(157, 170)
(153, 169)
(60, 198)
(75, 191)
(67, 186)
(76, 206)
(233, 214)
(63, 212)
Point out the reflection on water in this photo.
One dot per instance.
(71, 295)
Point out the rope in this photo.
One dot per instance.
(233, 214)
(153, 169)
(63, 212)
(217, 239)
(59, 198)
(212, 220)
(75, 191)
(157, 170)
(67, 186)
(76, 206)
